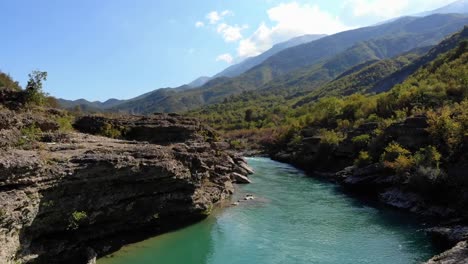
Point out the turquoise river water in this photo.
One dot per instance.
(294, 219)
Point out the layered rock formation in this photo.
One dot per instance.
(441, 200)
(78, 196)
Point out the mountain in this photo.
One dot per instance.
(309, 65)
(352, 91)
(399, 76)
(158, 94)
(364, 77)
(460, 7)
(457, 7)
(88, 106)
(249, 63)
(199, 81)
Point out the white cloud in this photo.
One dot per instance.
(227, 13)
(289, 20)
(214, 16)
(226, 57)
(230, 33)
(199, 24)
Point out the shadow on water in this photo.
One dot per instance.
(167, 248)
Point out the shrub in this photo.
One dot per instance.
(236, 144)
(397, 158)
(76, 219)
(361, 140)
(330, 137)
(444, 128)
(65, 123)
(108, 130)
(29, 134)
(295, 140)
(363, 159)
(428, 157)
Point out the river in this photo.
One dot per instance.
(294, 219)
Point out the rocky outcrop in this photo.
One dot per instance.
(156, 129)
(68, 201)
(456, 255)
(439, 197)
(448, 235)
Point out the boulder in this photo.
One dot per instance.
(456, 255)
(239, 178)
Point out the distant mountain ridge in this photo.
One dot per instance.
(457, 7)
(302, 66)
(231, 71)
(309, 65)
(249, 63)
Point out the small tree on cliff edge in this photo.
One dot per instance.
(33, 92)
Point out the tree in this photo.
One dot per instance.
(248, 115)
(33, 92)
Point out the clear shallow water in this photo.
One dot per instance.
(295, 219)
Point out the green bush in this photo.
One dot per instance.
(361, 140)
(330, 137)
(65, 123)
(110, 131)
(428, 157)
(397, 158)
(29, 134)
(76, 219)
(444, 128)
(363, 159)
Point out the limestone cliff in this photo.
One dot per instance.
(75, 196)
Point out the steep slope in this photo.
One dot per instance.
(251, 62)
(434, 27)
(364, 77)
(272, 108)
(315, 62)
(400, 75)
(460, 7)
(199, 81)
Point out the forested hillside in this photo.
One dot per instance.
(301, 68)
(258, 113)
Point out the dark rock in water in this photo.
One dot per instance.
(88, 195)
(456, 255)
(239, 178)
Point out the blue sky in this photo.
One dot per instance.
(121, 48)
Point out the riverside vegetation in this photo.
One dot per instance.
(407, 146)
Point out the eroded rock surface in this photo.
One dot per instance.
(456, 255)
(69, 198)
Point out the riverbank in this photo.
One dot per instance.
(293, 219)
(447, 229)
